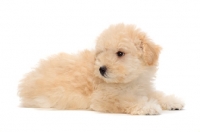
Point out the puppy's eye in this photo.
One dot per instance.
(119, 53)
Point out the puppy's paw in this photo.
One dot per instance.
(149, 108)
(172, 103)
(176, 104)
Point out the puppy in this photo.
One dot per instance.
(116, 77)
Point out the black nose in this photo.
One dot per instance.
(102, 70)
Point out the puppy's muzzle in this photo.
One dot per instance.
(103, 70)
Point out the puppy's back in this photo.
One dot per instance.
(62, 81)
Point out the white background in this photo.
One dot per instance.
(34, 29)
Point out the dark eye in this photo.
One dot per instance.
(119, 53)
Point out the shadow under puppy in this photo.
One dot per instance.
(116, 77)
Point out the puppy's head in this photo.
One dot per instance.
(123, 53)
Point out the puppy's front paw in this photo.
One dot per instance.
(149, 108)
(176, 104)
(172, 103)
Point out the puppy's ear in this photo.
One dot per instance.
(150, 50)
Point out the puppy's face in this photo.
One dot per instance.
(123, 53)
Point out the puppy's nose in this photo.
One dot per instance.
(102, 70)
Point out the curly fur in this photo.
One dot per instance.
(67, 81)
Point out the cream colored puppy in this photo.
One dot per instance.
(116, 77)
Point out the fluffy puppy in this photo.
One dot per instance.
(116, 77)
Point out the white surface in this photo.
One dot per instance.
(31, 30)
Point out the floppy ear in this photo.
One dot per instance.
(151, 52)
